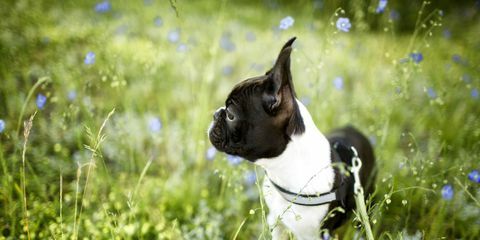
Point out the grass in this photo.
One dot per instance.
(151, 181)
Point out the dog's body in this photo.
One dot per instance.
(263, 122)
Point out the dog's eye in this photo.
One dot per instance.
(230, 116)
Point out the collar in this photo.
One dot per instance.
(336, 194)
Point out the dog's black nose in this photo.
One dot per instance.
(217, 113)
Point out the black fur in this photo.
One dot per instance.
(346, 137)
(265, 114)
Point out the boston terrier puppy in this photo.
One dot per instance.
(263, 122)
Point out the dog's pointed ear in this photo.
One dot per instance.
(279, 80)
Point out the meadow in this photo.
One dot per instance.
(104, 108)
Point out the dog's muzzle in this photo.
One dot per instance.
(217, 131)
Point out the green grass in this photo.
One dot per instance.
(124, 181)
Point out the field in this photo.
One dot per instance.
(104, 108)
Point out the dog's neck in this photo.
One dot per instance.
(305, 165)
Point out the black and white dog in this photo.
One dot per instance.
(263, 122)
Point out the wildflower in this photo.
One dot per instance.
(447, 34)
(103, 7)
(158, 21)
(234, 160)
(226, 43)
(2, 125)
(72, 95)
(286, 23)
(227, 70)
(211, 152)
(431, 93)
(154, 124)
(416, 57)
(474, 93)
(457, 59)
(338, 83)
(394, 15)
(250, 178)
(447, 192)
(305, 100)
(326, 236)
(147, 2)
(382, 4)
(373, 140)
(474, 176)
(182, 47)
(317, 4)
(466, 78)
(440, 12)
(41, 100)
(174, 36)
(343, 24)
(250, 36)
(89, 58)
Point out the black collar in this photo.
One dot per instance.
(337, 193)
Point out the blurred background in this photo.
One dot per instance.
(122, 94)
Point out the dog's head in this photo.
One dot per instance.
(260, 114)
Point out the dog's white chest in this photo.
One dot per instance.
(304, 167)
(303, 221)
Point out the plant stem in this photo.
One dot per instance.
(26, 133)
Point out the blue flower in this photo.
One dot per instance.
(234, 160)
(174, 35)
(474, 176)
(41, 100)
(147, 2)
(338, 83)
(226, 43)
(474, 93)
(227, 70)
(286, 23)
(382, 4)
(394, 15)
(305, 100)
(250, 177)
(431, 93)
(466, 78)
(89, 58)
(447, 34)
(158, 21)
(250, 36)
(72, 94)
(103, 7)
(440, 12)
(326, 236)
(343, 24)
(416, 57)
(2, 125)
(317, 4)
(456, 58)
(154, 124)
(373, 140)
(447, 192)
(210, 154)
(182, 48)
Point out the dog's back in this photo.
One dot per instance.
(341, 140)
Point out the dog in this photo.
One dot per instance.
(263, 122)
